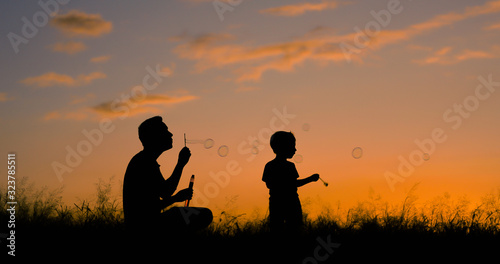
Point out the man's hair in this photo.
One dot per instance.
(280, 140)
(149, 129)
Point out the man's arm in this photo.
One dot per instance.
(167, 201)
(182, 195)
(170, 184)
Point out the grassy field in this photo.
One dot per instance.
(441, 229)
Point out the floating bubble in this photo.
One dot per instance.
(306, 127)
(208, 143)
(223, 151)
(255, 150)
(426, 156)
(298, 158)
(357, 152)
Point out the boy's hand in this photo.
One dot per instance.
(314, 177)
(184, 195)
(184, 156)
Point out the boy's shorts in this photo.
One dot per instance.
(285, 211)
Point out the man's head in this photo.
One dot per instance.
(154, 134)
(283, 143)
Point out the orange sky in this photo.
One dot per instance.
(380, 75)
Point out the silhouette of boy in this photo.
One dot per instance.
(281, 177)
(146, 193)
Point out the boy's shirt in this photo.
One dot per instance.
(281, 178)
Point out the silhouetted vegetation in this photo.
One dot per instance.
(444, 227)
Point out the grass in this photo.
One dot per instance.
(374, 230)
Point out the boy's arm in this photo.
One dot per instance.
(266, 177)
(302, 182)
(312, 178)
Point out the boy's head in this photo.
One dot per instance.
(283, 143)
(154, 134)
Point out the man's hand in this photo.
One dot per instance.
(183, 195)
(184, 156)
(314, 177)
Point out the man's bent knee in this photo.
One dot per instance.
(189, 217)
(198, 217)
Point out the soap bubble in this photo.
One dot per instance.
(209, 143)
(298, 158)
(223, 151)
(426, 156)
(306, 127)
(357, 152)
(255, 150)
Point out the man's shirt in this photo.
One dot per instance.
(142, 190)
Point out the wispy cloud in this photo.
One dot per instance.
(495, 26)
(100, 59)
(445, 56)
(299, 9)
(5, 98)
(80, 114)
(52, 115)
(81, 99)
(168, 70)
(450, 18)
(218, 50)
(210, 51)
(77, 23)
(151, 104)
(132, 107)
(70, 47)
(202, 1)
(243, 89)
(55, 79)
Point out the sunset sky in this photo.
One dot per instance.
(414, 84)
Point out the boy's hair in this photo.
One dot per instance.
(148, 130)
(280, 140)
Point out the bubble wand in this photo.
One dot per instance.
(191, 183)
(325, 183)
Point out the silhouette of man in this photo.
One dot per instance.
(146, 193)
(281, 177)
